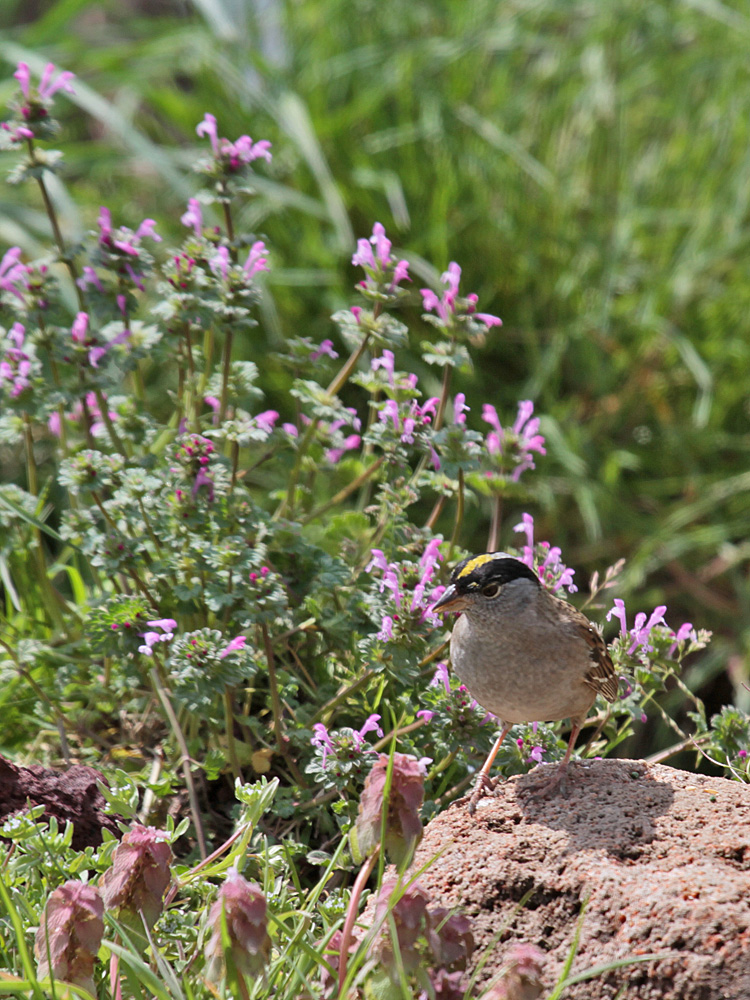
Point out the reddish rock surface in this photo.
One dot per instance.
(662, 856)
(66, 795)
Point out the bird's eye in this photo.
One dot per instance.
(491, 590)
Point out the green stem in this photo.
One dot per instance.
(235, 464)
(345, 492)
(56, 231)
(497, 518)
(447, 375)
(228, 222)
(225, 368)
(336, 385)
(49, 596)
(149, 528)
(229, 729)
(273, 684)
(113, 435)
(163, 695)
(325, 710)
(287, 504)
(460, 504)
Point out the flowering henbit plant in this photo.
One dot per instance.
(218, 586)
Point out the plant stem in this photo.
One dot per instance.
(347, 491)
(225, 367)
(235, 464)
(345, 693)
(689, 741)
(351, 914)
(497, 518)
(336, 385)
(460, 505)
(445, 389)
(49, 596)
(436, 511)
(113, 435)
(56, 231)
(229, 728)
(163, 696)
(273, 684)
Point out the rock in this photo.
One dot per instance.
(67, 795)
(662, 856)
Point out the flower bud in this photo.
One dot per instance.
(238, 923)
(451, 940)
(403, 826)
(70, 933)
(521, 979)
(139, 876)
(411, 920)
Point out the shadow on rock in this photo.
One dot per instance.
(609, 805)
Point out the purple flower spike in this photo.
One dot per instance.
(49, 87)
(23, 75)
(208, 127)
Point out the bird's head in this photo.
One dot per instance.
(481, 579)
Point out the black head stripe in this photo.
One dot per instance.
(491, 567)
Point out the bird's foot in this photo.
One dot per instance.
(484, 784)
(558, 782)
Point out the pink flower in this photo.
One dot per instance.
(383, 271)
(236, 644)
(325, 347)
(23, 75)
(460, 409)
(441, 677)
(449, 307)
(79, 330)
(527, 527)
(208, 127)
(255, 260)
(97, 353)
(387, 362)
(685, 631)
(220, 263)
(12, 272)
(266, 420)
(147, 228)
(386, 630)
(49, 87)
(194, 216)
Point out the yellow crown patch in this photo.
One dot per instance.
(475, 563)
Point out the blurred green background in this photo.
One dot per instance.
(587, 164)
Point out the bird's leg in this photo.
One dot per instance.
(559, 777)
(484, 782)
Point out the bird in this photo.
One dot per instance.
(524, 654)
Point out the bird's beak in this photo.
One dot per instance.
(450, 601)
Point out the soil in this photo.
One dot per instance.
(641, 860)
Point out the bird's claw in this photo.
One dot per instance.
(484, 784)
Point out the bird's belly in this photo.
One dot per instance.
(532, 693)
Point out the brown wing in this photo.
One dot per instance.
(601, 674)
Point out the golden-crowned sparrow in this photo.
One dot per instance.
(524, 654)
